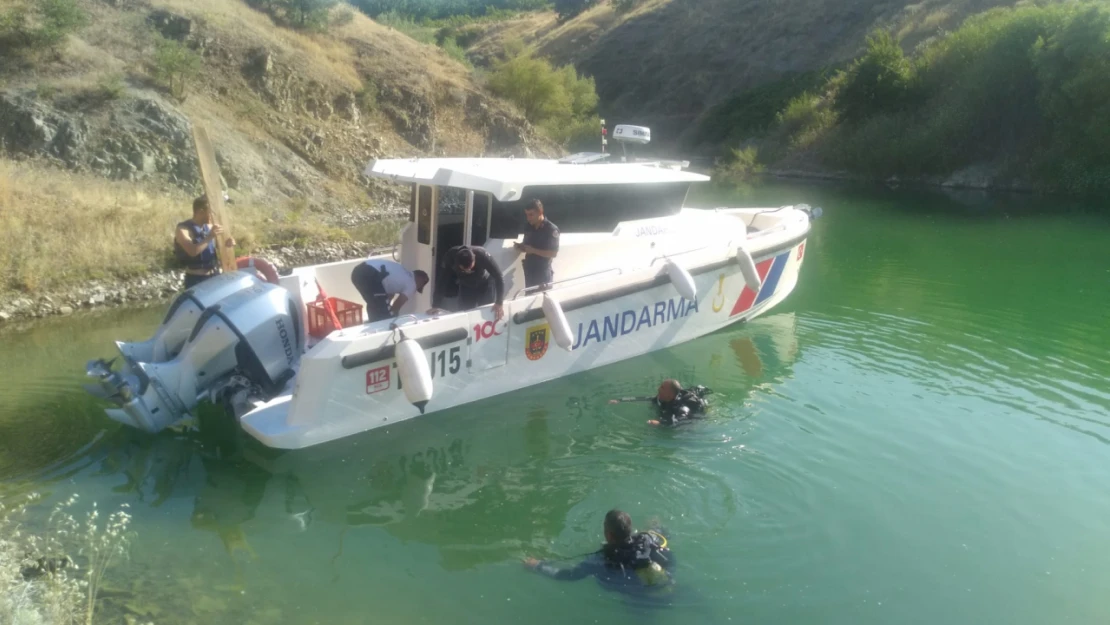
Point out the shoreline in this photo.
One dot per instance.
(155, 286)
(161, 285)
(970, 180)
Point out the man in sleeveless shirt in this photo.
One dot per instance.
(194, 244)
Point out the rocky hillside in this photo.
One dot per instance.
(668, 63)
(295, 116)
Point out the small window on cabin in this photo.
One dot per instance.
(451, 214)
(480, 222)
(424, 215)
(452, 205)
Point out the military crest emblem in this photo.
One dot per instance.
(539, 337)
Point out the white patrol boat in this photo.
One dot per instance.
(636, 272)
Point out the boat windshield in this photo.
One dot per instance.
(589, 208)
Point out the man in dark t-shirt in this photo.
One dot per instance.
(540, 246)
(479, 277)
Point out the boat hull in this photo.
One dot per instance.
(351, 384)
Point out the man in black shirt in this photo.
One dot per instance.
(479, 278)
(540, 246)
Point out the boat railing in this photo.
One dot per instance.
(544, 287)
(666, 256)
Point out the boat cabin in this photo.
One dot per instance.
(481, 201)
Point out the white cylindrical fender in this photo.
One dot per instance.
(682, 280)
(416, 377)
(557, 321)
(747, 267)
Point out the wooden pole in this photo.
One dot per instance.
(210, 177)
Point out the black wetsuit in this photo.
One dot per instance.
(642, 562)
(688, 404)
(484, 285)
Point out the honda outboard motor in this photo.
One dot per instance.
(183, 315)
(253, 335)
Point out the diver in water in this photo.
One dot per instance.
(627, 561)
(676, 405)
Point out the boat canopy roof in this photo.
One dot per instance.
(506, 178)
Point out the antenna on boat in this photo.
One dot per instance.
(624, 134)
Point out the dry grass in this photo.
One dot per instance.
(564, 43)
(324, 57)
(58, 591)
(59, 228)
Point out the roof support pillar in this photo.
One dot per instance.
(468, 218)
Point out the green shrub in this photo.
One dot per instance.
(464, 35)
(343, 16)
(567, 9)
(107, 88)
(408, 26)
(367, 97)
(175, 65)
(558, 100)
(300, 14)
(44, 24)
(879, 82)
(804, 120)
(1072, 67)
(1022, 89)
(739, 167)
(442, 10)
(111, 87)
(624, 6)
(455, 51)
(582, 134)
(753, 112)
(533, 85)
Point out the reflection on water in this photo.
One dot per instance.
(525, 474)
(917, 436)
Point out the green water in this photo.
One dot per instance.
(918, 435)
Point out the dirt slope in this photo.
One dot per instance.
(295, 117)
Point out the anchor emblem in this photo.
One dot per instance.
(719, 299)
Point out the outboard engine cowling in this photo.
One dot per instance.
(184, 312)
(254, 334)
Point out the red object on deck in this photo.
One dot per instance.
(331, 314)
(328, 314)
(264, 269)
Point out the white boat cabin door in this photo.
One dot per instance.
(441, 218)
(417, 240)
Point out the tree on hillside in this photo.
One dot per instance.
(558, 101)
(309, 14)
(175, 65)
(302, 14)
(877, 83)
(534, 85)
(567, 9)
